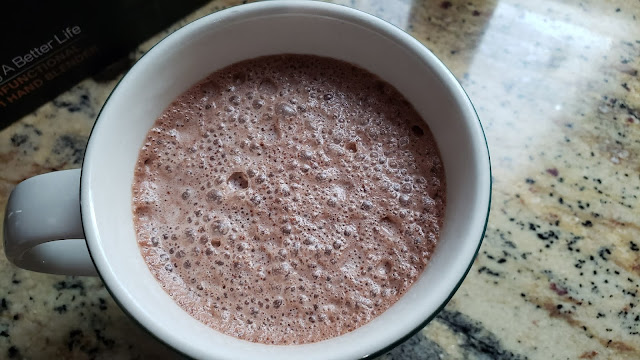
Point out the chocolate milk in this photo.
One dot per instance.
(288, 199)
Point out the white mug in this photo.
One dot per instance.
(48, 216)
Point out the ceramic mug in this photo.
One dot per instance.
(80, 221)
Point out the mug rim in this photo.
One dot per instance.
(385, 27)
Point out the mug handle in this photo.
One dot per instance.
(43, 228)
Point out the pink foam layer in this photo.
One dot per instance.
(288, 199)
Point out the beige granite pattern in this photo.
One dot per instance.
(556, 86)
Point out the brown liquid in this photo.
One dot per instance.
(288, 199)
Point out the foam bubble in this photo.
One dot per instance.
(214, 195)
(285, 109)
(238, 181)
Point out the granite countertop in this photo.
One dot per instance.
(558, 276)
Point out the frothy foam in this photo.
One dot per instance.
(288, 199)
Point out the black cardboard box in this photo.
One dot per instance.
(48, 46)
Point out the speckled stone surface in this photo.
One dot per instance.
(558, 275)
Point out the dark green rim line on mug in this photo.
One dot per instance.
(369, 356)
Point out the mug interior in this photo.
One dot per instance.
(268, 28)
